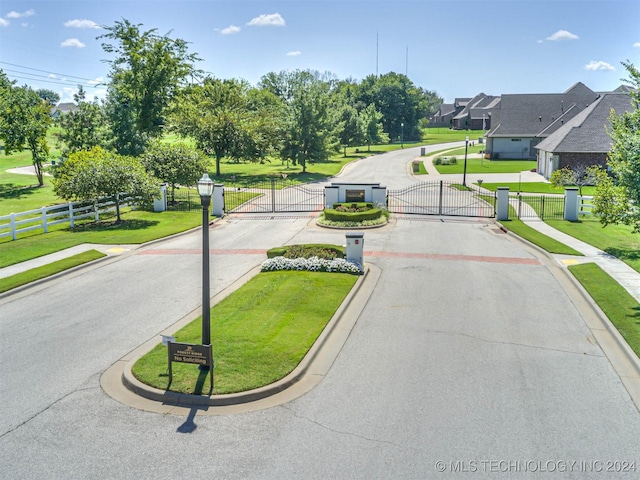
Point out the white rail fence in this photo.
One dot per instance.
(586, 205)
(42, 218)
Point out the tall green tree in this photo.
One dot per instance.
(351, 128)
(373, 129)
(146, 73)
(309, 131)
(98, 173)
(216, 115)
(49, 96)
(400, 102)
(82, 129)
(24, 120)
(617, 197)
(175, 164)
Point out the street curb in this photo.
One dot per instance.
(315, 363)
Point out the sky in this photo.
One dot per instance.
(454, 48)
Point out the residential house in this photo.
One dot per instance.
(582, 140)
(521, 121)
(444, 116)
(476, 115)
(63, 108)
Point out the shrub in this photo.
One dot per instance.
(313, 264)
(322, 251)
(334, 215)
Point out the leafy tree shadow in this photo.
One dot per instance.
(113, 225)
(12, 191)
(623, 253)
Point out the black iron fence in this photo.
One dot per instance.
(543, 207)
(272, 195)
(183, 199)
(440, 198)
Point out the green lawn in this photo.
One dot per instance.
(259, 334)
(138, 227)
(533, 187)
(620, 307)
(479, 165)
(618, 240)
(45, 271)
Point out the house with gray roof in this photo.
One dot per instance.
(476, 115)
(444, 116)
(521, 121)
(582, 140)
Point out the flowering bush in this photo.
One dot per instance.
(313, 264)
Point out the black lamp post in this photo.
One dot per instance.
(464, 174)
(402, 135)
(205, 189)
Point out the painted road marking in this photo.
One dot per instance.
(426, 256)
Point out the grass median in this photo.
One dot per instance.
(259, 333)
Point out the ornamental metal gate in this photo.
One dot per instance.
(272, 195)
(441, 198)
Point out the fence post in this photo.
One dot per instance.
(273, 195)
(95, 210)
(14, 234)
(45, 227)
(71, 222)
(160, 204)
(441, 193)
(217, 200)
(571, 204)
(502, 208)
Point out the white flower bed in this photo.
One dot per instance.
(313, 264)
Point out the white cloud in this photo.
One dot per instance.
(72, 42)
(562, 35)
(270, 20)
(294, 53)
(636, 45)
(84, 23)
(29, 13)
(230, 30)
(600, 65)
(4, 23)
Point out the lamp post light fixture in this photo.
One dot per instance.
(464, 174)
(402, 135)
(205, 189)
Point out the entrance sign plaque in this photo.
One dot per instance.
(189, 353)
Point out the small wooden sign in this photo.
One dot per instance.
(201, 355)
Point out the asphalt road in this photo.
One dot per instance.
(470, 360)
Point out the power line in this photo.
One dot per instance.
(45, 71)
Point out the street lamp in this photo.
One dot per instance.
(464, 175)
(205, 189)
(402, 135)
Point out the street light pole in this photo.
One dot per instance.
(205, 189)
(402, 135)
(464, 174)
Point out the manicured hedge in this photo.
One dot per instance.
(336, 216)
(307, 251)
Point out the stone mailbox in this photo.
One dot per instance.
(355, 247)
